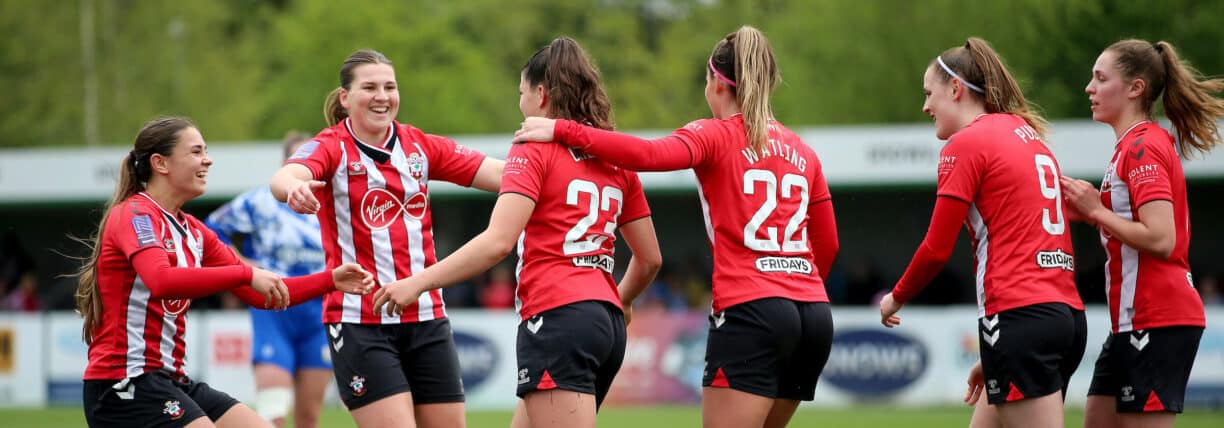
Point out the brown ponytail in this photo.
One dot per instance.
(1188, 100)
(157, 136)
(333, 111)
(1189, 103)
(978, 64)
(746, 58)
(572, 83)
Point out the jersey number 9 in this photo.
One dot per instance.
(1050, 190)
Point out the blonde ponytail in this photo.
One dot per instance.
(746, 57)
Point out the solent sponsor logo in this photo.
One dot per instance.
(784, 264)
(873, 362)
(946, 164)
(1055, 259)
(598, 261)
(380, 208)
(1143, 174)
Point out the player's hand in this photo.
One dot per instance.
(302, 198)
(396, 296)
(1082, 197)
(977, 382)
(537, 129)
(888, 310)
(628, 312)
(269, 285)
(352, 279)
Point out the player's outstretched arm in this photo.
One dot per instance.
(669, 153)
(294, 184)
(489, 175)
(931, 256)
(509, 217)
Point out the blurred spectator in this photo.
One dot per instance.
(695, 283)
(1209, 290)
(665, 292)
(18, 279)
(499, 292)
(23, 297)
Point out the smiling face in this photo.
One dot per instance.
(372, 99)
(1110, 93)
(939, 103)
(186, 169)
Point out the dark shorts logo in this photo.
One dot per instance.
(477, 358)
(871, 363)
(358, 386)
(174, 409)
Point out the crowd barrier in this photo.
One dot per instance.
(922, 362)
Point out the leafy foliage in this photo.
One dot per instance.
(251, 69)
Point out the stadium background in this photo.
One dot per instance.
(80, 77)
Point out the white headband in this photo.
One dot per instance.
(975, 88)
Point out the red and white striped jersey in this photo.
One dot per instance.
(138, 334)
(375, 210)
(565, 250)
(756, 210)
(1021, 247)
(1143, 290)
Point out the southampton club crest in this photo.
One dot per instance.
(358, 386)
(416, 165)
(173, 409)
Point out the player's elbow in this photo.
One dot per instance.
(500, 248)
(650, 261)
(1163, 248)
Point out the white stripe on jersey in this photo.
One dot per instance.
(1119, 198)
(705, 214)
(384, 259)
(518, 270)
(416, 233)
(169, 324)
(351, 306)
(137, 309)
(982, 235)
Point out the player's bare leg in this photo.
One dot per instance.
(440, 415)
(1101, 412)
(272, 384)
(1147, 420)
(309, 390)
(781, 412)
(239, 416)
(728, 408)
(985, 415)
(391, 411)
(1040, 412)
(557, 408)
(520, 419)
